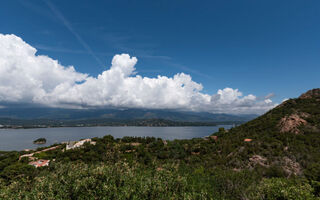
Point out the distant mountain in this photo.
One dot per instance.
(114, 114)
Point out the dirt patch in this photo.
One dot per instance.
(135, 144)
(292, 123)
(159, 169)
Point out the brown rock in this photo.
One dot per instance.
(291, 123)
(257, 159)
(291, 167)
(315, 93)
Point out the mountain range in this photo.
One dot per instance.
(104, 116)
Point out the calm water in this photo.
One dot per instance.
(19, 139)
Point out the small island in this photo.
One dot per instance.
(40, 141)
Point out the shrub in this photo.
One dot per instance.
(284, 189)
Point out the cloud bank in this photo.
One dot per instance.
(37, 79)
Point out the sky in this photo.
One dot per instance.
(217, 56)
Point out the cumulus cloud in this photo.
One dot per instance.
(29, 78)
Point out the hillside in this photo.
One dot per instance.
(286, 139)
(275, 156)
(300, 115)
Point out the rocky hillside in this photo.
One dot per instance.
(299, 115)
(285, 140)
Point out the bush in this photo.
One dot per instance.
(284, 189)
(18, 170)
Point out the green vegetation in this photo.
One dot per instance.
(272, 165)
(40, 141)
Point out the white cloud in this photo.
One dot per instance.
(25, 77)
(285, 99)
(268, 101)
(29, 78)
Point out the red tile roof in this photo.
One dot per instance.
(40, 163)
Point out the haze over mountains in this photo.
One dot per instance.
(116, 114)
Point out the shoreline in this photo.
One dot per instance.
(191, 125)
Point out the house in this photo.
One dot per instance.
(214, 137)
(40, 163)
(70, 145)
(73, 145)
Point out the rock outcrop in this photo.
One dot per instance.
(292, 123)
(291, 167)
(314, 93)
(258, 160)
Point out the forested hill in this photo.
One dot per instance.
(299, 116)
(285, 140)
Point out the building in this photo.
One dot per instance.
(40, 163)
(214, 137)
(73, 145)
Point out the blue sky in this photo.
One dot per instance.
(259, 47)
